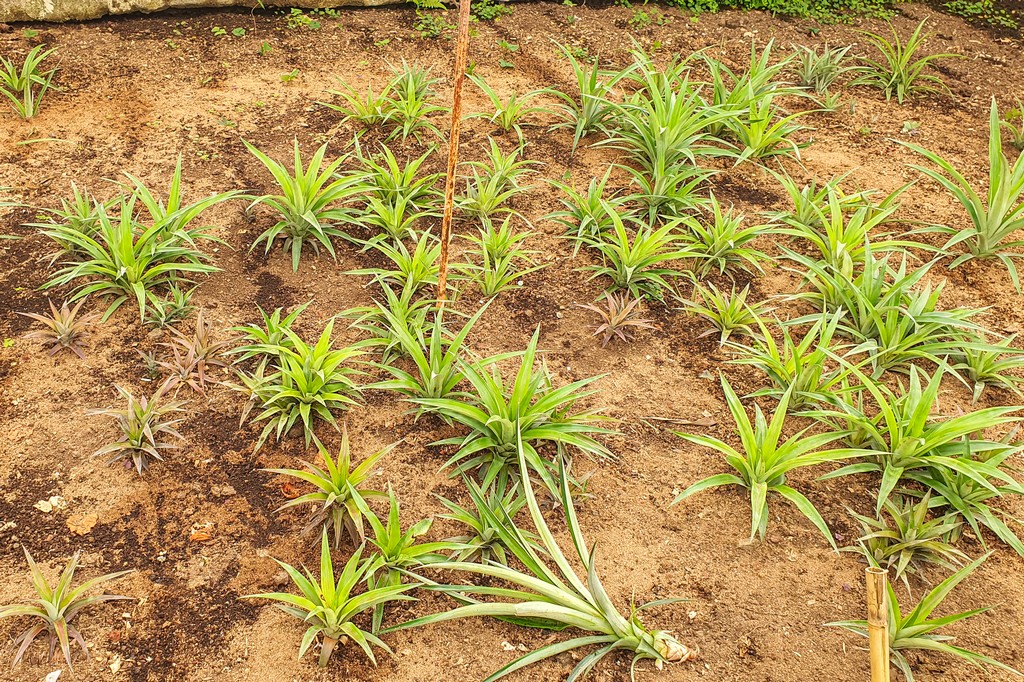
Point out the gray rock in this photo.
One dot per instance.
(77, 10)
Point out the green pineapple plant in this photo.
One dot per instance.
(56, 608)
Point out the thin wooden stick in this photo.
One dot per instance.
(878, 623)
(461, 53)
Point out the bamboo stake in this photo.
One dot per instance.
(878, 622)
(461, 52)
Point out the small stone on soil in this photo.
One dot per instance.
(222, 491)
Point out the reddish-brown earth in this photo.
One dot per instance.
(137, 92)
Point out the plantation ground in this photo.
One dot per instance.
(132, 103)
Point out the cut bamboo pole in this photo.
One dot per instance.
(878, 623)
(461, 53)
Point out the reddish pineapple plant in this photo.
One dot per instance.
(64, 328)
(619, 312)
(194, 355)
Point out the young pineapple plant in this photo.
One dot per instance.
(990, 364)
(174, 215)
(740, 92)
(163, 312)
(728, 312)
(587, 214)
(492, 183)
(507, 169)
(25, 86)
(721, 243)
(64, 328)
(263, 343)
(395, 220)
(77, 214)
(903, 437)
(839, 230)
(396, 198)
(127, 259)
(391, 321)
(819, 71)
(645, 67)
(56, 608)
(307, 207)
(665, 125)
(194, 356)
(619, 314)
(804, 368)
(328, 604)
(371, 109)
(150, 363)
(307, 383)
(901, 72)
(499, 260)
(763, 130)
(511, 114)
(894, 319)
(917, 630)
(908, 540)
(995, 217)
(482, 540)
(499, 241)
(390, 180)
(531, 408)
(338, 485)
(961, 493)
(412, 269)
(763, 460)
(677, 192)
(664, 129)
(638, 263)
(410, 94)
(812, 206)
(872, 283)
(592, 110)
(829, 101)
(146, 431)
(434, 353)
(549, 593)
(399, 553)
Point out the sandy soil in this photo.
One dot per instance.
(138, 91)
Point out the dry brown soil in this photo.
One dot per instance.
(138, 91)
